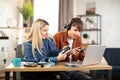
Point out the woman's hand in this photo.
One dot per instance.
(62, 55)
(64, 47)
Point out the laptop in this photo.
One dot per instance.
(93, 55)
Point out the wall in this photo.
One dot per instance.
(8, 11)
(6, 48)
(48, 10)
(109, 10)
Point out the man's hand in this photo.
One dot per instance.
(75, 51)
(77, 54)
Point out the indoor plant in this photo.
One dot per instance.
(27, 11)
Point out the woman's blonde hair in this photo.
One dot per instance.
(35, 36)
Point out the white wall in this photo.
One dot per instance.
(109, 10)
(8, 11)
(48, 10)
(7, 44)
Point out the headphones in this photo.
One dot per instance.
(73, 20)
(68, 25)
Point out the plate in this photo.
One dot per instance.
(29, 64)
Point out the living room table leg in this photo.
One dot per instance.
(94, 76)
(7, 75)
(109, 74)
(14, 75)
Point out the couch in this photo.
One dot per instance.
(112, 56)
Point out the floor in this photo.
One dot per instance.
(49, 79)
(114, 78)
(2, 77)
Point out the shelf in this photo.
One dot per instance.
(4, 37)
(91, 30)
(89, 15)
(14, 28)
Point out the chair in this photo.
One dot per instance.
(112, 56)
(19, 53)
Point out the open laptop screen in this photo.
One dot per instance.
(93, 55)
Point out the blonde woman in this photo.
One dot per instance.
(39, 45)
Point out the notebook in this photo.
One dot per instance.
(93, 55)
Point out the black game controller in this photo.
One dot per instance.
(80, 49)
(66, 49)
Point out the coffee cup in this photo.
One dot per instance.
(16, 62)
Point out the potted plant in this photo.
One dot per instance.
(27, 11)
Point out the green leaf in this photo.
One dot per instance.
(26, 10)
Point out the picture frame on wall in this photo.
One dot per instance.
(90, 8)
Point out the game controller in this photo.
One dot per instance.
(80, 49)
(66, 49)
